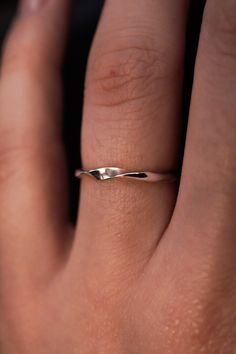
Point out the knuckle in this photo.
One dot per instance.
(9, 158)
(17, 153)
(25, 62)
(126, 74)
(24, 51)
(17, 50)
(221, 26)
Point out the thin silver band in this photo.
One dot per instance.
(105, 173)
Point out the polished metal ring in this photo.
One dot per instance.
(106, 173)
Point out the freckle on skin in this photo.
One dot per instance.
(210, 343)
(194, 324)
(199, 307)
(195, 301)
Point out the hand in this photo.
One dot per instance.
(148, 270)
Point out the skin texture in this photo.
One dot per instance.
(148, 268)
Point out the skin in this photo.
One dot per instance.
(148, 268)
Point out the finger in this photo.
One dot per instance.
(207, 197)
(199, 246)
(132, 121)
(32, 172)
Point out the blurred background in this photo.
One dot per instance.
(85, 16)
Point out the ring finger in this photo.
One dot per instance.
(131, 120)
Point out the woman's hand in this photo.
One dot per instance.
(141, 274)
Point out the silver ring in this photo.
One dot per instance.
(105, 173)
